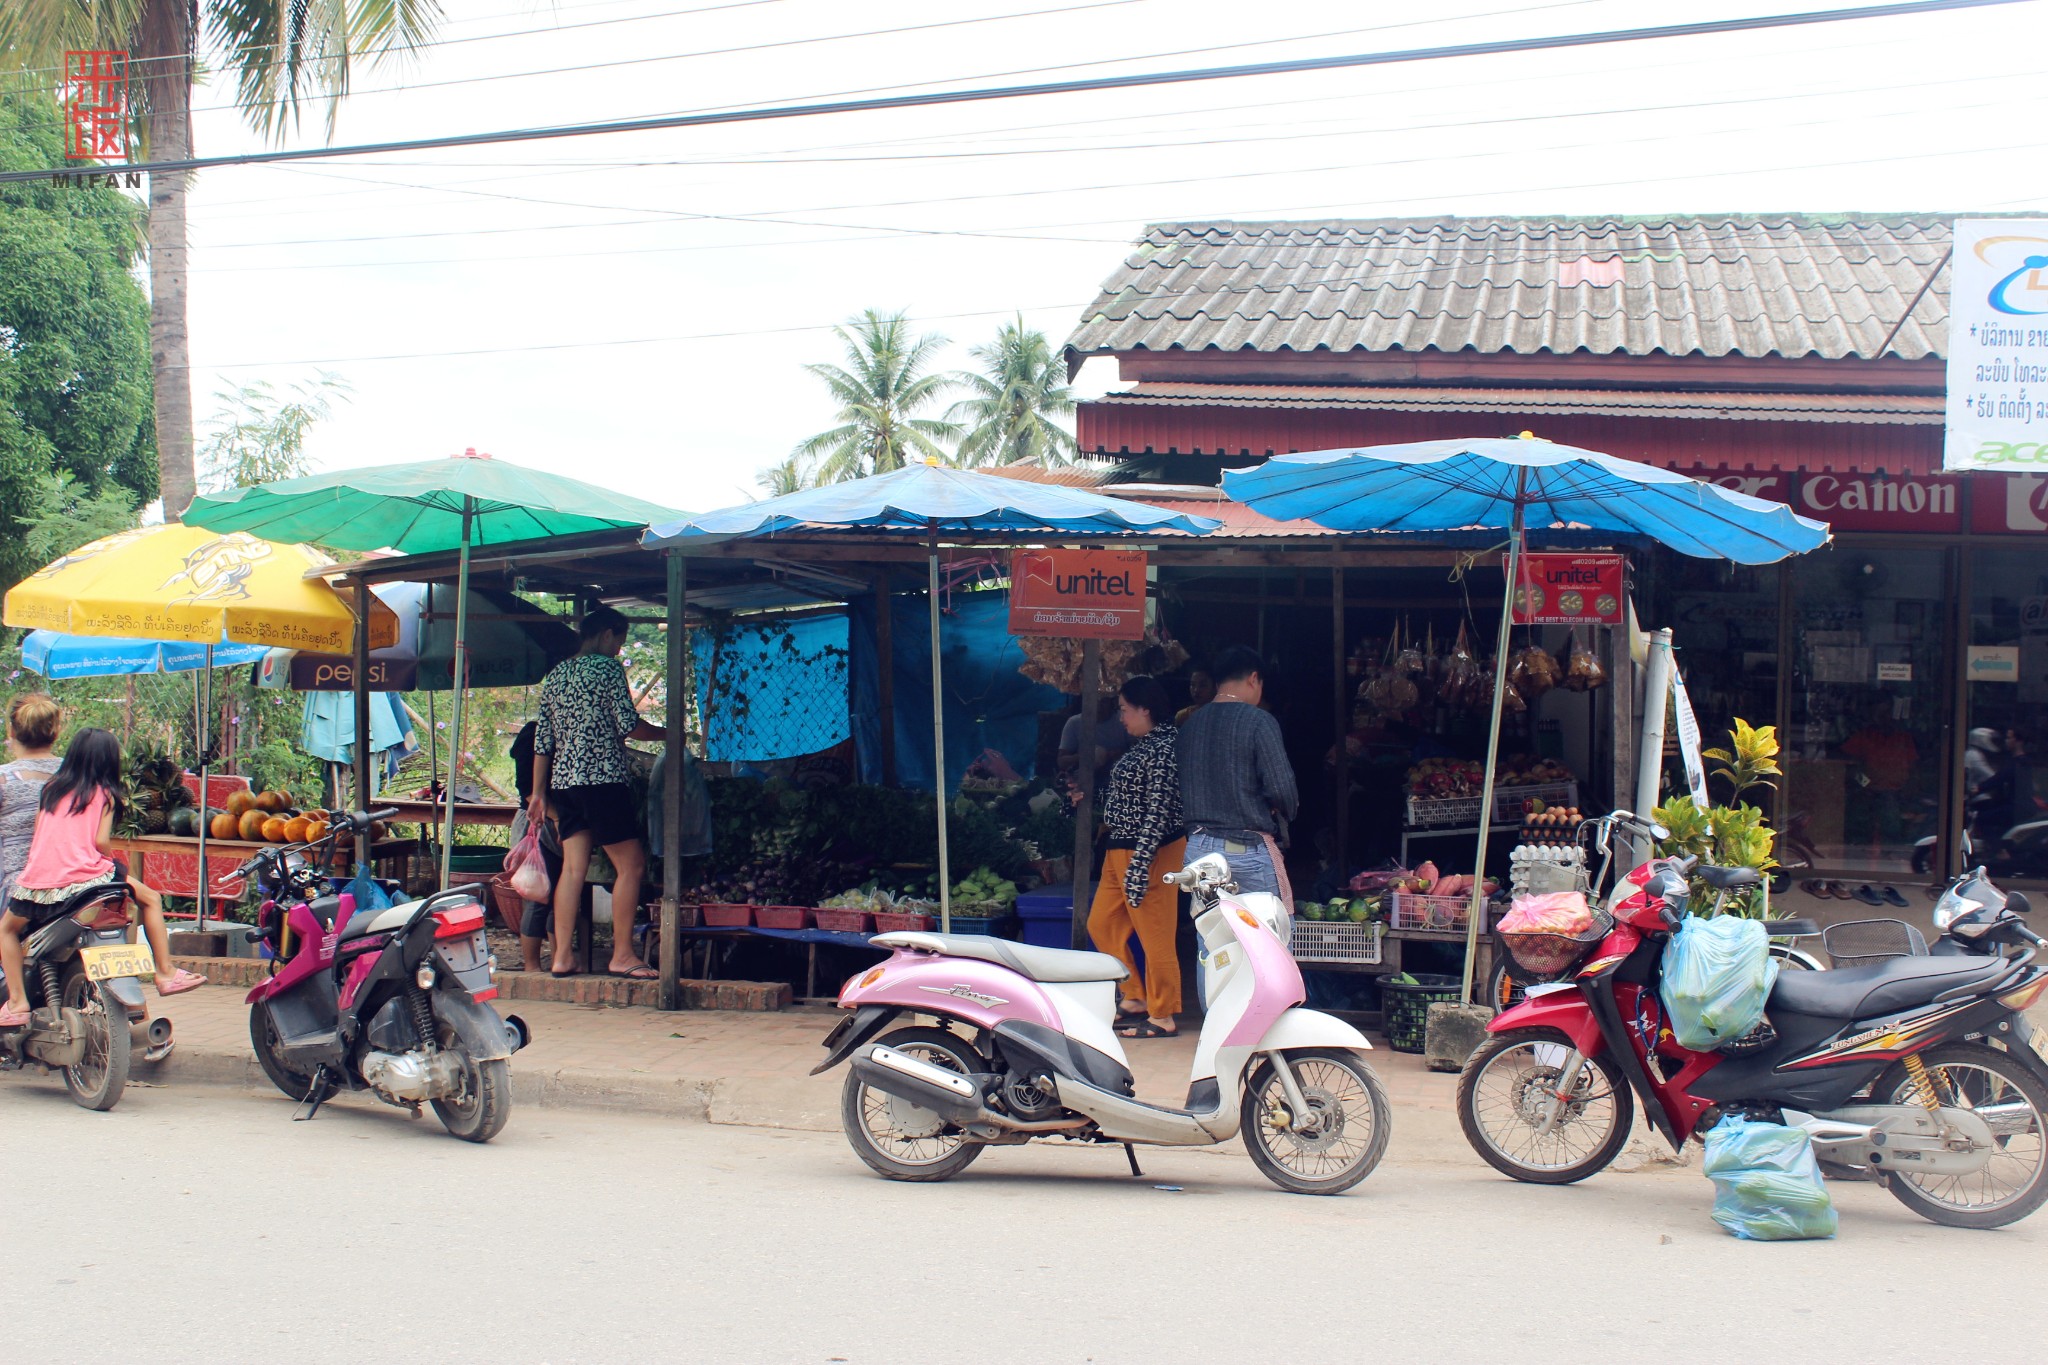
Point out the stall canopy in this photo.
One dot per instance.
(56, 656)
(1515, 485)
(930, 502)
(456, 504)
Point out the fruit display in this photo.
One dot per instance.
(1550, 825)
(1445, 779)
(985, 887)
(1355, 911)
(1527, 770)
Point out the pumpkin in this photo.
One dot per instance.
(273, 829)
(295, 830)
(224, 826)
(241, 803)
(250, 826)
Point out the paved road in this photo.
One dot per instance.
(203, 1225)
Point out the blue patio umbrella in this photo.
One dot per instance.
(1512, 484)
(929, 501)
(57, 656)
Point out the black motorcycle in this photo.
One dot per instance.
(84, 985)
(393, 1001)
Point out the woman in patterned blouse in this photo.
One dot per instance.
(1141, 809)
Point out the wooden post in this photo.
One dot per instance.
(360, 689)
(885, 673)
(675, 748)
(1340, 709)
(1084, 813)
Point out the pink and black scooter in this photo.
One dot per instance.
(1025, 1047)
(392, 1001)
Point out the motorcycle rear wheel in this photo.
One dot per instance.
(480, 1112)
(901, 1140)
(1973, 1076)
(1499, 1109)
(1355, 1121)
(293, 1084)
(97, 1079)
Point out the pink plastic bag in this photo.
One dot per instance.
(1558, 912)
(528, 869)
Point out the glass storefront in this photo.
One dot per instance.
(2005, 671)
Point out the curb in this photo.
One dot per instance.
(589, 989)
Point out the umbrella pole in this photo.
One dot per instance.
(461, 681)
(939, 750)
(205, 720)
(1476, 918)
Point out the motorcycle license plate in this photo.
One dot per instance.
(111, 960)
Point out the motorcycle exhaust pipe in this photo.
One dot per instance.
(517, 1034)
(948, 1093)
(159, 1032)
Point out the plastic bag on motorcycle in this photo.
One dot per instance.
(1717, 975)
(1767, 1184)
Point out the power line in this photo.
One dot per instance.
(1085, 85)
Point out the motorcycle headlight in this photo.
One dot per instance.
(1948, 908)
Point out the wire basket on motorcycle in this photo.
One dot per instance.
(1550, 934)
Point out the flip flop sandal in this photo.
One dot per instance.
(9, 1019)
(182, 981)
(1147, 1029)
(643, 972)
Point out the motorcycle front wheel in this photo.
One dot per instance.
(902, 1140)
(2014, 1179)
(1352, 1122)
(478, 1112)
(294, 1084)
(1505, 1095)
(97, 1079)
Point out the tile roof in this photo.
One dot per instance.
(1859, 408)
(1766, 285)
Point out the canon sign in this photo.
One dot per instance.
(1999, 503)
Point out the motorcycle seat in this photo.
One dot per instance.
(375, 922)
(1881, 988)
(1728, 878)
(1036, 964)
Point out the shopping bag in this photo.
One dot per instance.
(1767, 1183)
(1718, 974)
(528, 868)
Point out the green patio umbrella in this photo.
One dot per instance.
(457, 503)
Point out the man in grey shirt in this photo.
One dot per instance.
(1237, 788)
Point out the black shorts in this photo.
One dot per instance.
(607, 813)
(37, 913)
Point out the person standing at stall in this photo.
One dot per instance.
(1141, 809)
(581, 779)
(1237, 788)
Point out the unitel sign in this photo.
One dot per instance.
(1078, 594)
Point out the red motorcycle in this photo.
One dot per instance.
(1919, 1073)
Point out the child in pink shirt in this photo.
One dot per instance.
(69, 855)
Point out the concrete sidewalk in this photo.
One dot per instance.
(713, 1066)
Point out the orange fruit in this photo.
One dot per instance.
(295, 830)
(250, 826)
(240, 804)
(224, 826)
(274, 829)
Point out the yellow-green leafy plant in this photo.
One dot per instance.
(1735, 835)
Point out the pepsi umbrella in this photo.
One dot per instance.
(929, 501)
(1513, 484)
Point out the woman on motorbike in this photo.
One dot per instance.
(70, 853)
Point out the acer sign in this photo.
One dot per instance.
(1999, 504)
(1079, 594)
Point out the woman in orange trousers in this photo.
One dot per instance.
(1141, 808)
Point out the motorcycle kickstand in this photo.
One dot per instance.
(314, 1097)
(1131, 1155)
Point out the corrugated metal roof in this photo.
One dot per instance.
(1873, 409)
(1773, 285)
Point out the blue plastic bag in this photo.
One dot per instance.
(1718, 974)
(1767, 1184)
(368, 894)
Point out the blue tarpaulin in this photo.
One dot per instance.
(780, 687)
(989, 704)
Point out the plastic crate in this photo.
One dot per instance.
(1509, 802)
(1336, 941)
(729, 916)
(977, 924)
(1045, 917)
(896, 922)
(783, 916)
(1406, 910)
(1404, 1008)
(847, 921)
(1428, 812)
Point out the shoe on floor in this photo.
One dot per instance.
(1868, 894)
(1892, 896)
(1835, 889)
(1819, 889)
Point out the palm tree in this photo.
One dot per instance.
(282, 54)
(880, 391)
(792, 475)
(1014, 403)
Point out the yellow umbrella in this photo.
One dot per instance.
(179, 582)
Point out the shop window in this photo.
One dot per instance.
(2005, 670)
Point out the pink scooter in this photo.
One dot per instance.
(1025, 1047)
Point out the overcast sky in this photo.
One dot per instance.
(636, 309)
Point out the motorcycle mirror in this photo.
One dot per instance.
(2017, 902)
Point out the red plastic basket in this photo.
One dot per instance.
(783, 916)
(889, 921)
(729, 916)
(847, 921)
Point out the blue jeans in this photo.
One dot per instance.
(1251, 865)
